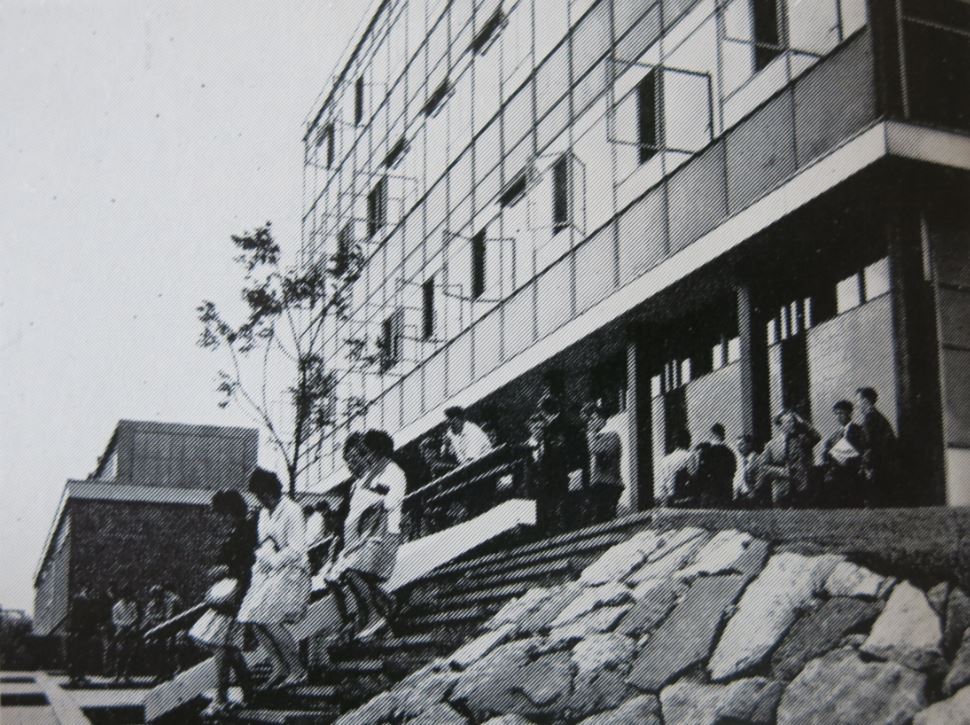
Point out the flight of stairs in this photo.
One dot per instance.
(438, 614)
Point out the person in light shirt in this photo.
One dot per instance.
(466, 441)
(372, 532)
(674, 479)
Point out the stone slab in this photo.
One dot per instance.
(908, 631)
(852, 580)
(753, 700)
(841, 689)
(953, 711)
(686, 637)
(651, 607)
(642, 710)
(820, 632)
(958, 675)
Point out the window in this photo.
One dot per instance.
(331, 147)
(377, 208)
(863, 286)
(876, 279)
(560, 194)
(359, 101)
(436, 100)
(396, 153)
(650, 131)
(392, 339)
(478, 265)
(341, 261)
(515, 189)
(489, 32)
(848, 294)
(766, 30)
(427, 310)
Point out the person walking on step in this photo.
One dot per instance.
(124, 618)
(279, 590)
(231, 575)
(605, 458)
(372, 532)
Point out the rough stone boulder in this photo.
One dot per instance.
(642, 710)
(852, 580)
(473, 651)
(655, 599)
(959, 673)
(603, 651)
(728, 552)
(602, 662)
(592, 599)
(957, 619)
(753, 700)
(954, 711)
(908, 631)
(674, 550)
(841, 689)
(377, 711)
(600, 620)
(422, 695)
(541, 618)
(619, 560)
(687, 635)
(508, 720)
(522, 677)
(820, 632)
(768, 608)
(513, 611)
(440, 714)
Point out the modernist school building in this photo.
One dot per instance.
(697, 211)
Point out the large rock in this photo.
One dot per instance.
(820, 632)
(720, 555)
(593, 598)
(852, 580)
(541, 618)
(654, 601)
(957, 620)
(841, 689)
(473, 651)
(596, 692)
(938, 596)
(686, 637)
(377, 711)
(752, 700)
(602, 620)
(642, 710)
(619, 560)
(959, 673)
(417, 699)
(508, 720)
(512, 612)
(440, 714)
(675, 549)
(955, 711)
(603, 651)
(518, 677)
(908, 631)
(768, 608)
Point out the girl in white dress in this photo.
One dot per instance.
(280, 589)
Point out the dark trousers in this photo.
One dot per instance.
(599, 502)
(81, 650)
(552, 510)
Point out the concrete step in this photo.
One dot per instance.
(622, 528)
(436, 620)
(302, 697)
(441, 602)
(532, 575)
(272, 716)
(431, 643)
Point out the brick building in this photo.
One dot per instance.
(141, 517)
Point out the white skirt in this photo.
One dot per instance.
(277, 596)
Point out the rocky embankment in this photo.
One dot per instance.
(691, 626)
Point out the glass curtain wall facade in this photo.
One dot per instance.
(483, 171)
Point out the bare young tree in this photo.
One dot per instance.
(284, 309)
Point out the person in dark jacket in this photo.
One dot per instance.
(560, 450)
(234, 560)
(83, 632)
(880, 456)
(842, 461)
(713, 470)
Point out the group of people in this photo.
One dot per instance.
(856, 466)
(105, 634)
(262, 577)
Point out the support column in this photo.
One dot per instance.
(639, 428)
(919, 404)
(755, 391)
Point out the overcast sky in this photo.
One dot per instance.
(135, 137)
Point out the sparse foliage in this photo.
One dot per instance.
(283, 313)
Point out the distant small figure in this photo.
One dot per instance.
(713, 470)
(749, 488)
(124, 618)
(788, 461)
(83, 630)
(842, 460)
(605, 477)
(880, 456)
(465, 440)
(673, 484)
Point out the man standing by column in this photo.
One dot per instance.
(880, 457)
